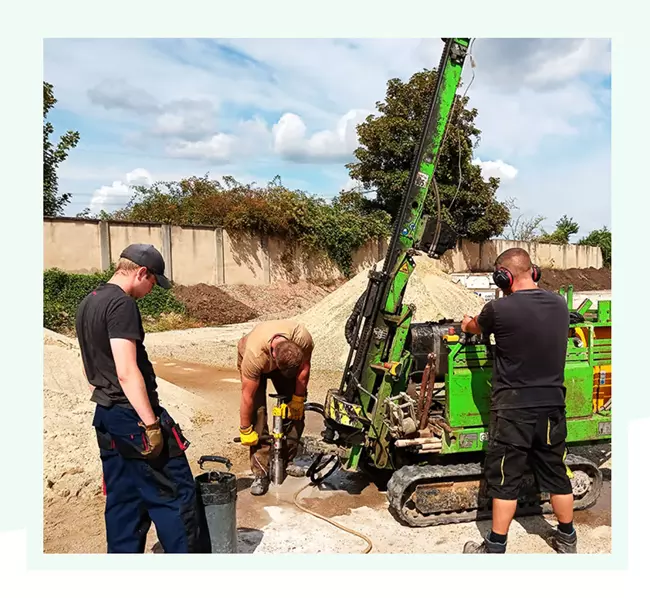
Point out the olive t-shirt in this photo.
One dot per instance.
(254, 349)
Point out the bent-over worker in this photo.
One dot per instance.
(527, 418)
(280, 351)
(146, 473)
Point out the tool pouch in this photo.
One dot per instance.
(175, 442)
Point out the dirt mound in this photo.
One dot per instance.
(281, 299)
(213, 306)
(432, 291)
(582, 279)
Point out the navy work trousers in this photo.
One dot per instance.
(140, 490)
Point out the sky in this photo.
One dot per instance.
(152, 110)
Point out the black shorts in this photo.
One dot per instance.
(522, 437)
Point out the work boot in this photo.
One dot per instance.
(486, 547)
(259, 486)
(564, 543)
(296, 471)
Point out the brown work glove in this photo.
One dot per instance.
(154, 437)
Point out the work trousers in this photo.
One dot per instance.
(260, 453)
(534, 436)
(140, 490)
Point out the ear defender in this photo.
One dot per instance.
(502, 278)
(537, 273)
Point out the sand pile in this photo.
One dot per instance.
(433, 292)
(71, 464)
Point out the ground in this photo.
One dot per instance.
(273, 523)
(200, 387)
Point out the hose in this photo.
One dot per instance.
(334, 523)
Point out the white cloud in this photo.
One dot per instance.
(496, 168)
(110, 195)
(216, 149)
(290, 138)
(139, 176)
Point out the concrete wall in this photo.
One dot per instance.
(73, 246)
(480, 257)
(212, 256)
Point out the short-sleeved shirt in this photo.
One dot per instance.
(531, 329)
(254, 349)
(104, 314)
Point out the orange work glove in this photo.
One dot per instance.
(154, 437)
(296, 407)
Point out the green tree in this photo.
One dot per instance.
(387, 145)
(564, 228)
(53, 155)
(600, 238)
(339, 228)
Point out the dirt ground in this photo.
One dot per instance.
(273, 523)
(200, 387)
(582, 279)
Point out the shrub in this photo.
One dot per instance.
(64, 291)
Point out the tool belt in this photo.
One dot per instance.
(131, 446)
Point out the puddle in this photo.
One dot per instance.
(601, 512)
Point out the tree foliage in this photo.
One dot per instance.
(564, 228)
(339, 228)
(600, 238)
(387, 145)
(53, 155)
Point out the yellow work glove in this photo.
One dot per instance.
(296, 408)
(248, 436)
(154, 437)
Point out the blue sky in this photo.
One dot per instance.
(160, 109)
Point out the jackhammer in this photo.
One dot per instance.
(277, 439)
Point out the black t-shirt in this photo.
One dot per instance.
(531, 330)
(106, 313)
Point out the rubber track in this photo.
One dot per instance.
(401, 487)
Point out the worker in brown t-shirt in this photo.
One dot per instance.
(279, 350)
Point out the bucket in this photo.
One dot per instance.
(217, 492)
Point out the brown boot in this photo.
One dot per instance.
(486, 547)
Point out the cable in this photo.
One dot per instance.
(460, 170)
(367, 540)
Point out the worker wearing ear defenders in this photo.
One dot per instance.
(527, 413)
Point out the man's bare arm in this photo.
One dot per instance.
(248, 389)
(470, 325)
(302, 379)
(130, 378)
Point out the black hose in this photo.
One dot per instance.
(351, 323)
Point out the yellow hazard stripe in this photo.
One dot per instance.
(503, 475)
(568, 471)
(548, 432)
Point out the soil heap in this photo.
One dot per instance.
(433, 292)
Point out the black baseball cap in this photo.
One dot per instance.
(148, 257)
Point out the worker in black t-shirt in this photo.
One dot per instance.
(527, 417)
(146, 473)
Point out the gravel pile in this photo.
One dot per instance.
(433, 292)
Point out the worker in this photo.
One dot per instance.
(146, 473)
(280, 351)
(527, 419)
